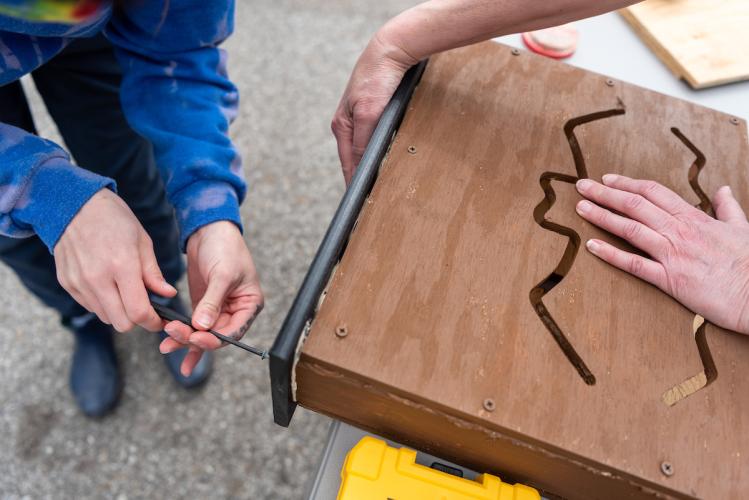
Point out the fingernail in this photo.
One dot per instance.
(727, 189)
(593, 245)
(583, 207)
(167, 350)
(197, 343)
(175, 334)
(583, 184)
(609, 178)
(204, 320)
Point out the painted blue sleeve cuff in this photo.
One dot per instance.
(56, 193)
(202, 203)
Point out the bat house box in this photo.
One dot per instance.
(453, 307)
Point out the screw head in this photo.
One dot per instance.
(489, 404)
(341, 331)
(667, 469)
(735, 120)
(609, 82)
(515, 52)
(412, 150)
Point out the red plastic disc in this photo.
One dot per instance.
(558, 42)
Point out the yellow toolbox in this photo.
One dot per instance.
(375, 471)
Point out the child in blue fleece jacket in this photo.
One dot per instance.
(169, 81)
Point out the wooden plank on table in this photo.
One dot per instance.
(702, 41)
(442, 348)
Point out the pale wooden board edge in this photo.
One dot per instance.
(668, 59)
(652, 42)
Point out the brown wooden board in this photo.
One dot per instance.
(428, 334)
(702, 41)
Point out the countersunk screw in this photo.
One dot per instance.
(610, 82)
(515, 52)
(667, 469)
(412, 150)
(341, 331)
(735, 120)
(489, 404)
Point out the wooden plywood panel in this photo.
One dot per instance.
(443, 347)
(702, 41)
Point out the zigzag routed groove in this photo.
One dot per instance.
(569, 131)
(560, 271)
(679, 391)
(709, 372)
(573, 240)
(694, 173)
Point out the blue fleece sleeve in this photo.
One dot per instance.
(40, 190)
(176, 93)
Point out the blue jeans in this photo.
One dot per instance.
(80, 88)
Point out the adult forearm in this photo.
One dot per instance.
(426, 29)
(439, 25)
(40, 190)
(175, 92)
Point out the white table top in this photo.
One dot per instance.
(609, 46)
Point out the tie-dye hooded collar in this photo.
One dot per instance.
(54, 17)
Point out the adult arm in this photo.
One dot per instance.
(427, 29)
(176, 92)
(700, 261)
(43, 193)
(31, 174)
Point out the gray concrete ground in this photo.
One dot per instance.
(291, 59)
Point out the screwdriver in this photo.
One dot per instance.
(172, 315)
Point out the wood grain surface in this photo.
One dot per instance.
(702, 41)
(442, 346)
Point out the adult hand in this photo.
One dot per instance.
(700, 261)
(105, 260)
(224, 288)
(376, 75)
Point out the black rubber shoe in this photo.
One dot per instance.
(173, 360)
(95, 378)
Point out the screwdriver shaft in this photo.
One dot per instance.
(172, 315)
